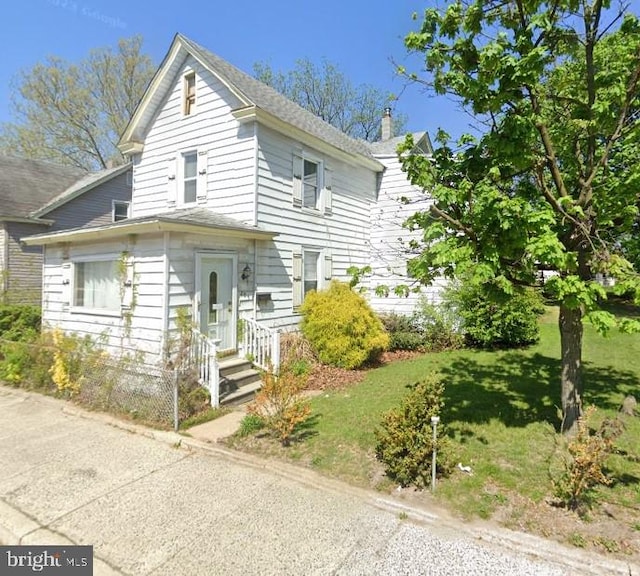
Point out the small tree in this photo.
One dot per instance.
(279, 403)
(404, 441)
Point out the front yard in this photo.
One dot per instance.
(501, 411)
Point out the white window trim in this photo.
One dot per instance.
(298, 196)
(110, 257)
(181, 187)
(324, 272)
(113, 209)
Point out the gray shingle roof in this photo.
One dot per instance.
(389, 147)
(196, 217)
(25, 185)
(271, 101)
(199, 217)
(84, 184)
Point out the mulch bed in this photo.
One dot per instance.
(323, 377)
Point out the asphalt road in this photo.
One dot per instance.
(156, 503)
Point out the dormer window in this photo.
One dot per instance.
(189, 93)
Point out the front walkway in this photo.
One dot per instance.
(160, 503)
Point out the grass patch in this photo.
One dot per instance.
(502, 410)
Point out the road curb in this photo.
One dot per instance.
(17, 528)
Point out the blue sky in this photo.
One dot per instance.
(360, 36)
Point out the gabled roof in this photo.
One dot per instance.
(196, 220)
(386, 148)
(81, 186)
(25, 185)
(256, 101)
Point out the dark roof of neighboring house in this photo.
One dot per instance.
(183, 219)
(390, 147)
(84, 184)
(25, 184)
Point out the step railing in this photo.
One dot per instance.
(261, 345)
(202, 357)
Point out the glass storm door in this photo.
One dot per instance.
(217, 308)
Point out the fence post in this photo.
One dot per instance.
(176, 423)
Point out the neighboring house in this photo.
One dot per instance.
(242, 203)
(389, 240)
(37, 196)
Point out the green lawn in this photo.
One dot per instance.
(501, 409)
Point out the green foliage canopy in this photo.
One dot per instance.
(75, 113)
(551, 181)
(326, 92)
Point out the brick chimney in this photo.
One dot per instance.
(386, 129)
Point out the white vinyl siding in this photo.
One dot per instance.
(390, 242)
(226, 152)
(342, 238)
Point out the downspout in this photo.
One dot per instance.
(165, 306)
(254, 313)
(5, 260)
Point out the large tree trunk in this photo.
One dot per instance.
(570, 322)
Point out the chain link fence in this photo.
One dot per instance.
(142, 392)
(152, 395)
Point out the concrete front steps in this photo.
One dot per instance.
(239, 381)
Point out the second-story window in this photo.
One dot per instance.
(311, 184)
(120, 210)
(189, 93)
(190, 177)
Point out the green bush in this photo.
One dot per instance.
(406, 341)
(19, 323)
(439, 325)
(584, 461)
(430, 327)
(404, 442)
(342, 328)
(493, 319)
(393, 322)
(27, 364)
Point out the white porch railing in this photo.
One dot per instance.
(202, 357)
(261, 345)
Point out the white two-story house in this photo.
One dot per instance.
(242, 203)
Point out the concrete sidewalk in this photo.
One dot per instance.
(220, 428)
(160, 503)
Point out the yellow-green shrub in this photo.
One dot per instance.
(342, 328)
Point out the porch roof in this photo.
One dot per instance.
(194, 220)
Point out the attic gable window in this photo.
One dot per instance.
(189, 93)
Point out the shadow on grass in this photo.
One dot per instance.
(306, 429)
(520, 388)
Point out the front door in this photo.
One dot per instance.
(217, 303)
